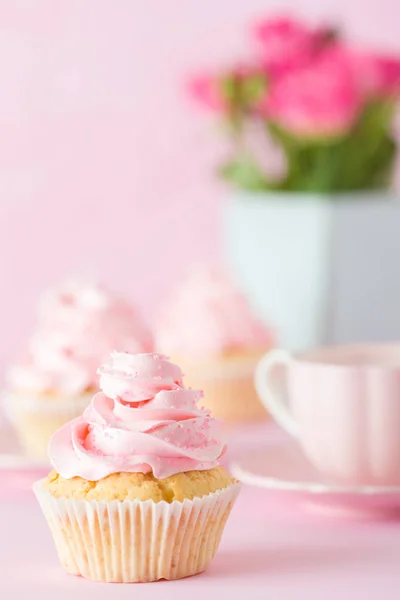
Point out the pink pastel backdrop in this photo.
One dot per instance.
(104, 167)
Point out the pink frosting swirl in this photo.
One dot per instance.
(79, 324)
(208, 315)
(143, 420)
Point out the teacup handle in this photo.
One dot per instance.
(274, 404)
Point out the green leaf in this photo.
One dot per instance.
(253, 88)
(229, 88)
(242, 91)
(244, 173)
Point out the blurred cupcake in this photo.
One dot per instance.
(79, 324)
(209, 328)
(137, 493)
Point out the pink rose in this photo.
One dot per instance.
(379, 75)
(287, 43)
(321, 99)
(207, 90)
(376, 76)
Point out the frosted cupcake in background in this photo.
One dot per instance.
(79, 324)
(137, 493)
(209, 328)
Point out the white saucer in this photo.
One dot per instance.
(282, 468)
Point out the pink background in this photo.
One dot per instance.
(104, 167)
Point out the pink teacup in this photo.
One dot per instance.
(343, 405)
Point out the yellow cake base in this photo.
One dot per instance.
(228, 386)
(36, 417)
(140, 486)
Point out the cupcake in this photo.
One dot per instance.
(209, 328)
(79, 324)
(137, 493)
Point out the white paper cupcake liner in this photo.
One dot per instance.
(137, 541)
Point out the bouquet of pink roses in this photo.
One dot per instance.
(328, 106)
